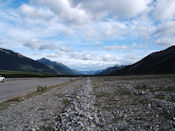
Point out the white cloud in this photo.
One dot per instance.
(37, 44)
(108, 58)
(165, 29)
(87, 57)
(164, 34)
(64, 10)
(65, 49)
(164, 10)
(166, 41)
(33, 44)
(141, 27)
(52, 55)
(112, 28)
(119, 8)
(35, 13)
(116, 47)
(124, 8)
(121, 47)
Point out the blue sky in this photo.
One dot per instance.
(87, 34)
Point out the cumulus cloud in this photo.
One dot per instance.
(86, 57)
(119, 8)
(36, 44)
(121, 47)
(52, 55)
(33, 44)
(165, 29)
(116, 47)
(164, 10)
(81, 12)
(164, 33)
(35, 13)
(108, 58)
(65, 49)
(81, 56)
(166, 41)
(64, 10)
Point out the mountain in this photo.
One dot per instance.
(12, 61)
(58, 67)
(109, 70)
(162, 62)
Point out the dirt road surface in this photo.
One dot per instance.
(17, 86)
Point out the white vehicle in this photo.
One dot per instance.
(2, 79)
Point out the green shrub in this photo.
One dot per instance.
(41, 88)
(160, 96)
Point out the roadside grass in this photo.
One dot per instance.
(4, 105)
(167, 89)
(142, 87)
(102, 94)
(41, 88)
(16, 99)
(66, 101)
(123, 92)
(160, 96)
(48, 128)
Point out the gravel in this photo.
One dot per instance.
(97, 103)
(38, 112)
(80, 114)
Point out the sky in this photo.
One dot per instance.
(87, 34)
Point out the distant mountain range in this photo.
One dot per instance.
(12, 61)
(162, 62)
(63, 69)
(58, 67)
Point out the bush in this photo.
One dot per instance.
(41, 88)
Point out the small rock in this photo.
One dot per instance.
(173, 123)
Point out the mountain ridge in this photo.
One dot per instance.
(13, 61)
(58, 67)
(160, 62)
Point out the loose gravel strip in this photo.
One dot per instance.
(38, 112)
(80, 114)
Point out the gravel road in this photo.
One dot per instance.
(17, 86)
